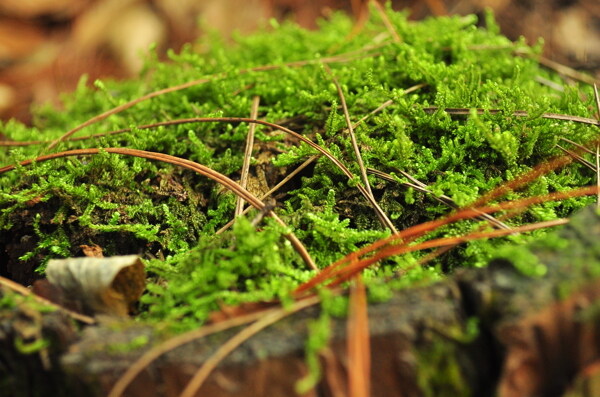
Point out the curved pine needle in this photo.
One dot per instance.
(125, 106)
(8, 283)
(273, 189)
(346, 273)
(386, 21)
(223, 351)
(361, 165)
(300, 137)
(409, 234)
(430, 109)
(191, 165)
(147, 358)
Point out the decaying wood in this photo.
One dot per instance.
(534, 336)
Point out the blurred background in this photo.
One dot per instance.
(46, 45)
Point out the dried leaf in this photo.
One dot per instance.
(94, 251)
(102, 285)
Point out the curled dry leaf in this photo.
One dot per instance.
(100, 285)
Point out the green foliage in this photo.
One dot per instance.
(245, 265)
(439, 363)
(170, 216)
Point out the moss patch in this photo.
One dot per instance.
(169, 216)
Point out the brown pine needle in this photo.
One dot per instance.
(578, 158)
(518, 113)
(358, 342)
(300, 137)
(558, 67)
(386, 21)
(437, 7)
(346, 273)
(431, 109)
(274, 189)
(27, 292)
(361, 165)
(333, 59)
(199, 168)
(147, 358)
(388, 103)
(225, 349)
(580, 147)
(597, 147)
(409, 234)
(247, 156)
(421, 187)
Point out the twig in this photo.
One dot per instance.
(361, 165)
(420, 186)
(597, 147)
(386, 21)
(247, 156)
(409, 234)
(560, 68)
(578, 158)
(431, 109)
(120, 108)
(518, 113)
(437, 7)
(26, 292)
(581, 147)
(274, 188)
(388, 103)
(300, 137)
(147, 358)
(346, 273)
(225, 349)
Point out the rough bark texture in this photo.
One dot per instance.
(535, 337)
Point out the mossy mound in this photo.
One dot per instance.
(170, 216)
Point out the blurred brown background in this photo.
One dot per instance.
(46, 45)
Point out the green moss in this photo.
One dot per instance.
(170, 216)
(439, 368)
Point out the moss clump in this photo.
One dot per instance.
(169, 215)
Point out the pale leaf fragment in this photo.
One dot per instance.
(100, 285)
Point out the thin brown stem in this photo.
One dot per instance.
(518, 113)
(578, 158)
(431, 109)
(361, 165)
(120, 108)
(247, 156)
(5, 282)
(194, 385)
(358, 341)
(421, 187)
(386, 21)
(273, 189)
(597, 97)
(346, 273)
(170, 344)
(580, 147)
